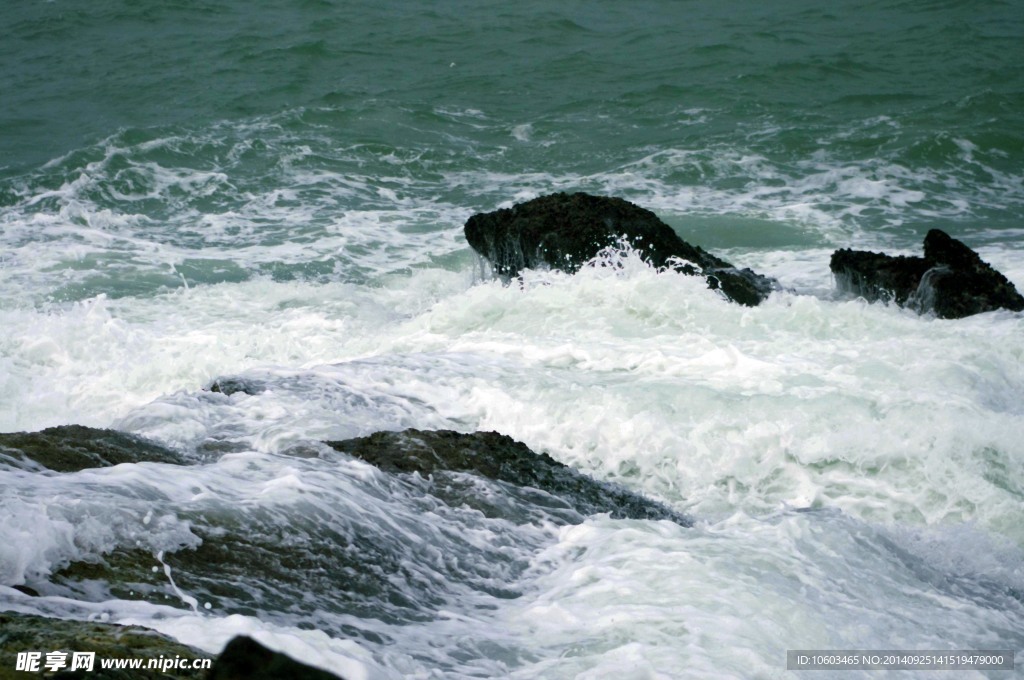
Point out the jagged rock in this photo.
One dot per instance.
(245, 659)
(951, 280)
(70, 448)
(962, 282)
(28, 633)
(563, 231)
(499, 457)
(877, 276)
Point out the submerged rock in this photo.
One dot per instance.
(387, 548)
(245, 659)
(951, 280)
(70, 448)
(499, 457)
(564, 231)
(233, 384)
(27, 633)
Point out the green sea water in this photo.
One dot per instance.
(928, 96)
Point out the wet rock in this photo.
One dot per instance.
(951, 280)
(324, 570)
(70, 448)
(232, 384)
(245, 659)
(499, 457)
(563, 231)
(877, 276)
(27, 633)
(406, 548)
(961, 282)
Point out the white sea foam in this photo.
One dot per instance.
(315, 648)
(672, 389)
(843, 459)
(41, 537)
(825, 196)
(211, 633)
(523, 132)
(631, 601)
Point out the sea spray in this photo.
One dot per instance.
(276, 197)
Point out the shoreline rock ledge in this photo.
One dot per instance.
(563, 231)
(951, 280)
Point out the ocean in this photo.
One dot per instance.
(275, 191)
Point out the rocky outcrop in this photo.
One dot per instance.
(414, 549)
(245, 659)
(877, 276)
(501, 458)
(951, 280)
(70, 448)
(564, 231)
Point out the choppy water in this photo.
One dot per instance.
(277, 190)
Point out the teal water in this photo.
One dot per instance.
(276, 191)
(920, 96)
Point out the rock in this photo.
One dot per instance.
(951, 280)
(70, 448)
(245, 659)
(352, 566)
(877, 276)
(233, 384)
(563, 231)
(499, 457)
(29, 633)
(961, 282)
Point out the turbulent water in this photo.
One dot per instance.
(275, 191)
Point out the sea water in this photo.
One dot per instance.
(276, 191)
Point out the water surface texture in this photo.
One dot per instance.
(275, 191)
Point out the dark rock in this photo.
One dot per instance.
(231, 385)
(499, 457)
(412, 553)
(564, 231)
(245, 659)
(961, 283)
(70, 448)
(877, 276)
(26, 632)
(360, 567)
(951, 280)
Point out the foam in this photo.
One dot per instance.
(341, 657)
(843, 458)
(845, 384)
(211, 633)
(100, 358)
(155, 206)
(40, 537)
(718, 599)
